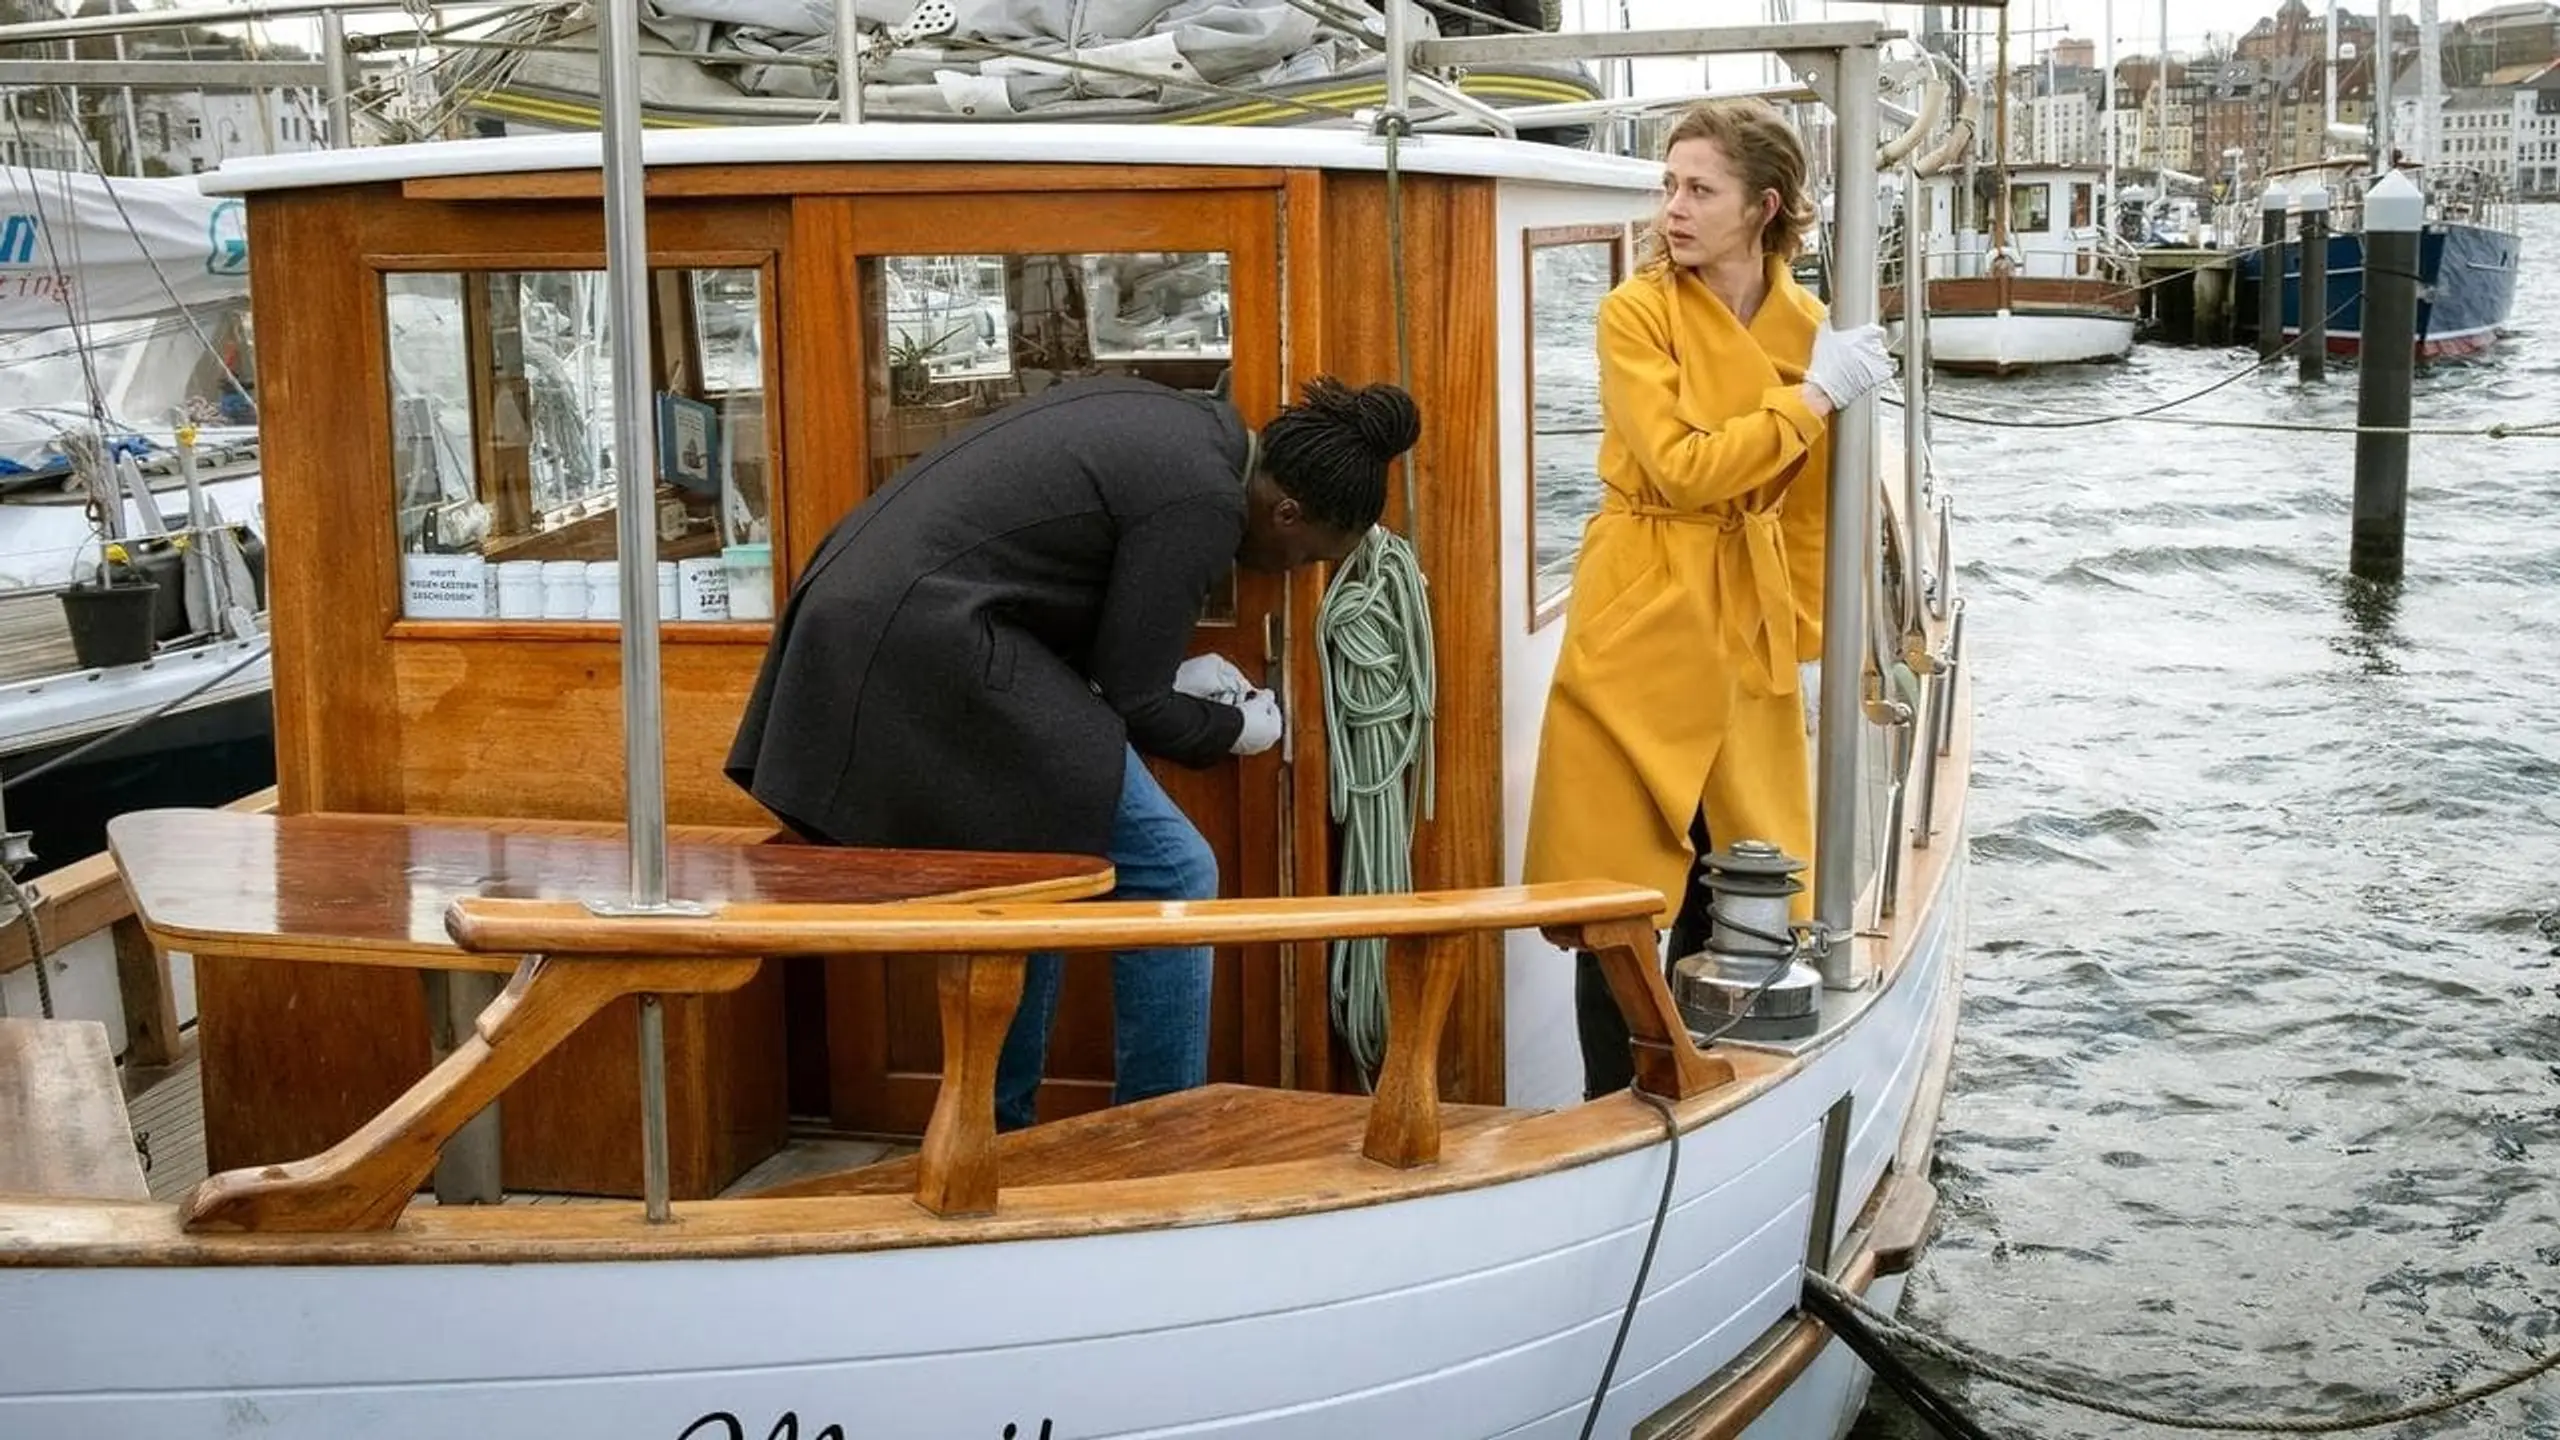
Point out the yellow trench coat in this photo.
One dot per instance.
(1698, 590)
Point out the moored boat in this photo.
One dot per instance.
(1466, 1249)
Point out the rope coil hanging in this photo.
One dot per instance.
(1373, 638)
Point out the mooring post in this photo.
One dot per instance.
(2314, 289)
(2271, 208)
(2386, 357)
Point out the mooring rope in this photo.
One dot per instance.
(1373, 637)
(2005, 1372)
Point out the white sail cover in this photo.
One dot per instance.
(77, 249)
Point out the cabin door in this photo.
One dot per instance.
(959, 304)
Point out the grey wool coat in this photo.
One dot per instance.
(975, 646)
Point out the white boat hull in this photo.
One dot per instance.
(1467, 1314)
(2010, 340)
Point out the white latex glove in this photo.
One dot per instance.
(1847, 364)
(1809, 690)
(1211, 677)
(1261, 723)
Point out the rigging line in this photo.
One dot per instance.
(2542, 430)
(2016, 1377)
(89, 156)
(74, 315)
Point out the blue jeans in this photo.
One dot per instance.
(1159, 998)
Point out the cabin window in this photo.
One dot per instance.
(2082, 199)
(953, 338)
(1569, 270)
(2030, 208)
(504, 453)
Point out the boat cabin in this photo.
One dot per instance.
(2047, 225)
(825, 305)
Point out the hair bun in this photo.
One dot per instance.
(1388, 420)
(1383, 417)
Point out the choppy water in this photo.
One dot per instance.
(2257, 1099)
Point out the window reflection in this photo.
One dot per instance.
(1570, 271)
(504, 444)
(954, 338)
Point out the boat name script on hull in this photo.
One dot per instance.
(721, 1425)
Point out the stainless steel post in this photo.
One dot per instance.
(1399, 60)
(653, 1110)
(626, 259)
(1849, 548)
(1916, 235)
(333, 58)
(848, 64)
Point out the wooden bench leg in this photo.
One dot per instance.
(956, 1167)
(1666, 1062)
(1404, 1112)
(150, 1002)
(364, 1181)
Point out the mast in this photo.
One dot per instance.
(2107, 125)
(2382, 88)
(2330, 87)
(2160, 89)
(2000, 137)
(2430, 83)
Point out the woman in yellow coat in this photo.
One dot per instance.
(1675, 714)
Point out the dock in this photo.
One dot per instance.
(2188, 296)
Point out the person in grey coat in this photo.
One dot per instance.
(981, 652)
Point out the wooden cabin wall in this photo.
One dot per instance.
(377, 714)
(1349, 331)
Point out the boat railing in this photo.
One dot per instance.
(73, 902)
(569, 962)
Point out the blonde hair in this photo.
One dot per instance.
(1757, 142)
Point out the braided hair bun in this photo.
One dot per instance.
(1331, 452)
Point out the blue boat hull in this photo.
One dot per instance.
(2469, 277)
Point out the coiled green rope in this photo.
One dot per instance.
(1373, 637)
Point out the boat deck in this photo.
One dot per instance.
(34, 640)
(167, 1105)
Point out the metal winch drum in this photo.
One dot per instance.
(1747, 983)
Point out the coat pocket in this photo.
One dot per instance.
(1599, 626)
(1000, 646)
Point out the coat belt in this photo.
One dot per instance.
(1764, 544)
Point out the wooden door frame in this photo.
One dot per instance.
(825, 375)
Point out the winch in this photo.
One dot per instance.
(1748, 982)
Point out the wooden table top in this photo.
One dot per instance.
(374, 888)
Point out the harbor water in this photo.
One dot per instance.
(2256, 1105)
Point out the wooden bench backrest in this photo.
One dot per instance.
(574, 962)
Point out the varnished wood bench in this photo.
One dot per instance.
(984, 947)
(64, 1134)
(372, 890)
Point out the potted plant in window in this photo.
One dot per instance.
(910, 364)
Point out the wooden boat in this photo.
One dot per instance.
(1466, 1250)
